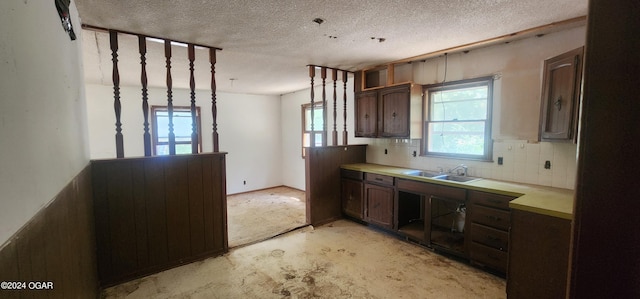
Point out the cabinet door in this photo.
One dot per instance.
(561, 92)
(379, 205)
(352, 198)
(538, 256)
(394, 112)
(366, 114)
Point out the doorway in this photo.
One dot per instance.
(259, 215)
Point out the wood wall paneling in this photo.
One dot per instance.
(153, 213)
(57, 245)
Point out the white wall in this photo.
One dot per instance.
(293, 169)
(248, 128)
(516, 113)
(43, 136)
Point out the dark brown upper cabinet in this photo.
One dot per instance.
(366, 114)
(386, 112)
(561, 97)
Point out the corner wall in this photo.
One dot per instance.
(46, 212)
(42, 112)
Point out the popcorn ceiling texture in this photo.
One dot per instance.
(267, 44)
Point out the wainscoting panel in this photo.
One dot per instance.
(57, 245)
(154, 213)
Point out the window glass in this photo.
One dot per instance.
(182, 129)
(458, 119)
(318, 122)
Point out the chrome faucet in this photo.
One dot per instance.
(461, 166)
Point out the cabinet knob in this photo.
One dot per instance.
(393, 115)
(558, 103)
(366, 116)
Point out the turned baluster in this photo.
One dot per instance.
(323, 73)
(192, 85)
(312, 135)
(334, 135)
(214, 109)
(113, 39)
(172, 136)
(344, 98)
(146, 137)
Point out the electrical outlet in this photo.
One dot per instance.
(547, 164)
(414, 153)
(244, 182)
(385, 151)
(500, 161)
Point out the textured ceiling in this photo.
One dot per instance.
(268, 44)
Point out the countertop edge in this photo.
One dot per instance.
(531, 198)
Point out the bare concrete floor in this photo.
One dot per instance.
(340, 260)
(259, 215)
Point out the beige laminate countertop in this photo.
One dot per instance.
(543, 200)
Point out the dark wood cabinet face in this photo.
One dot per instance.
(366, 114)
(379, 205)
(383, 113)
(489, 219)
(538, 256)
(394, 116)
(352, 198)
(560, 97)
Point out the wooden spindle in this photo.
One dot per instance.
(172, 136)
(312, 137)
(146, 137)
(323, 74)
(117, 106)
(214, 109)
(344, 98)
(192, 84)
(334, 135)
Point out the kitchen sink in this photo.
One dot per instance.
(441, 176)
(456, 178)
(423, 173)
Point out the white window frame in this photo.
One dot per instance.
(430, 90)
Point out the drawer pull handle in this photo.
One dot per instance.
(492, 238)
(494, 218)
(378, 179)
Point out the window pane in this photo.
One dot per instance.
(457, 137)
(459, 104)
(317, 119)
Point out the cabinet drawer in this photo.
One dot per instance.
(490, 237)
(379, 178)
(488, 257)
(490, 199)
(491, 217)
(351, 174)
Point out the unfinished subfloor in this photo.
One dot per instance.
(342, 259)
(259, 215)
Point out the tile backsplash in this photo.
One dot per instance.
(523, 162)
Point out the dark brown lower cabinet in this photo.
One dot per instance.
(538, 256)
(379, 205)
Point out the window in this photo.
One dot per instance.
(181, 129)
(458, 119)
(318, 121)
